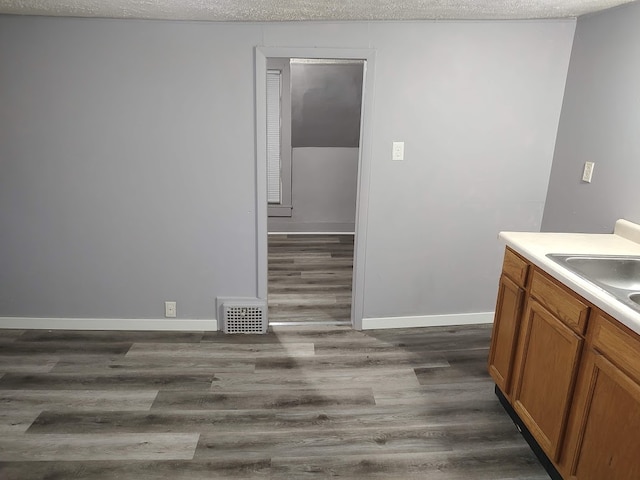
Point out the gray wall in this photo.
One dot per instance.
(477, 105)
(323, 191)
(600, 123)
(326, 101)
(122, 142)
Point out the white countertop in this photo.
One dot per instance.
(624, 241)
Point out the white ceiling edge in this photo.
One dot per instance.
(310, 10)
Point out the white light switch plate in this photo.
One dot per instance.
(587, 173)
(398, 151)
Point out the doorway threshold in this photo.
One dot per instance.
(339, 323)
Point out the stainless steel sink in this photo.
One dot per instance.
(618, 272)
(617, 275)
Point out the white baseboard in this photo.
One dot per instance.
(166, 324)
(312, 233)
(211, 325)
(427, 320)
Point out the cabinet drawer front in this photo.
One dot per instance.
(618, 345)
(564, 305)
(515, 267)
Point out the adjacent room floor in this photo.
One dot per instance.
(310, 278)
(300, 402)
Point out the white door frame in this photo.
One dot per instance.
(364, 163)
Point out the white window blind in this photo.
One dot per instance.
(274, 191)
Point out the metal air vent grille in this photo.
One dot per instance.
(244, 318)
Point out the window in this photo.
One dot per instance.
(274, 92)
(279, 137)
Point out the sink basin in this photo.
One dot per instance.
(618, 272)
(617, 275)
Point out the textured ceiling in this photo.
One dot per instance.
(286, 10)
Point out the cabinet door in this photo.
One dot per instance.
(546, 368)
(604, 436)
(505, 333)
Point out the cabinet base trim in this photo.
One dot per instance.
(537, 450)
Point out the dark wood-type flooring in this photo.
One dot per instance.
(304, 402)
(310, 278)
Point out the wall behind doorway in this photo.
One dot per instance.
(326, 101)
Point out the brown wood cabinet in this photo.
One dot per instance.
(547, 365)
(570, 372)
(603, 439)
(511, 293)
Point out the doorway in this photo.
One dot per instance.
(314, 111)
(363, 167)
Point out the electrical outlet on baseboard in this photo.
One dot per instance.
(170, 309)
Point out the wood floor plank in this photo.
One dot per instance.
(379, 346)
(316, 247)
(30, 400)
(16, 421)
(484, 464)
(327, 274)
(317, 281)
(292, 398)
(439, 339)
(109, 336)
(301, 287)
(316, 334)
(9, 333)
(227, 351)
(318, 380)
(339, 266)
(138, 470)
(301, 313)
(121, 446)
(162, 365)
(27, 363)
(302, 260)
(18, 347)
(284, 255)
(309, 243)
(476, 390)
(408, 439)
(463, 366)
(327, 444)
(297, 422)
(423, 466)
(104, 381)
(390, 358)
(315, 299)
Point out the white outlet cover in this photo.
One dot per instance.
(170, 309)
(398, 151)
